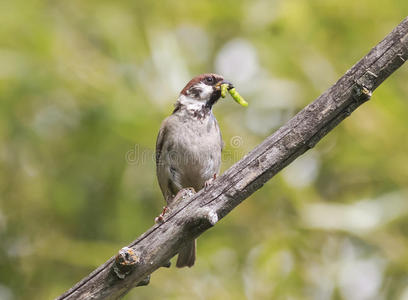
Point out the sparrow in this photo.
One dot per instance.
(189, 145)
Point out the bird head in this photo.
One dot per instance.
(202, 90)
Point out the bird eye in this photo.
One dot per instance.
(209, 79)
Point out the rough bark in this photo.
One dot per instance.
(197, 213)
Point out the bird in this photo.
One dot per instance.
(189, 146)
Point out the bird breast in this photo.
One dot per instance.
(194, 155)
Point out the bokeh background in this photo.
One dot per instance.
(84, 86)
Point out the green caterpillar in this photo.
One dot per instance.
(224, 89)
(234, 94)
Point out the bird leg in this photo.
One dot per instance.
(182, 194)
(160, 218)
(209, 181)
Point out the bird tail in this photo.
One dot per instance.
(187, 255)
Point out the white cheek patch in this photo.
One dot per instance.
(206, 91)
(196, 102)
(190, 103)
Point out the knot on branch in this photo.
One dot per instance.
(364, 86)
(201, 220)
(125, 262)
(207, 214)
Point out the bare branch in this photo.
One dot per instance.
(195, 214)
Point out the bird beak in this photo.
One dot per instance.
(218, 85)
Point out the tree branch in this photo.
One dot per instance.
(197, 213)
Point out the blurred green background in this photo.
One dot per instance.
(84, 86)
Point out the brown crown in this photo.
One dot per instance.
(198, 79)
